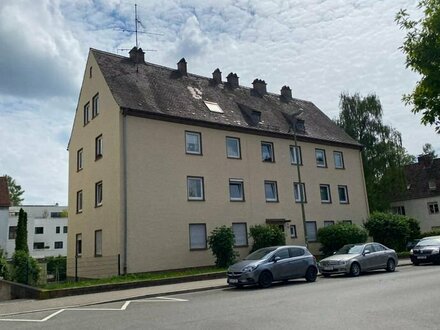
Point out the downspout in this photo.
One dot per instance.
(124, 184)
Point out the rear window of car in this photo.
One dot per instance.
(296, 252)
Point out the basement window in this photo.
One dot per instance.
(213, 107)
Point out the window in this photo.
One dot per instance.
(328, 223)
(79, 201)
(38, 245)
(311, 231)
(78, 251)
(325, 193)
(12, 232)
(295, 155)
(296, 252)
(270, 190)
(193, 142)
(98, 194)
(91, 72)
(433, 208)
(236, 190)
(98, 147)
(65, 230)
(98, 243)
(95, 105)
(197, 236)
(348, 222)
(58, 245)
(240, 234)
(79, 160)
(299, 192)
(320, 158)
(293, 233)
(39, 230)
(255, 116)
(339, 159)
(282, 254)
(86, 113)
(267, 152)
(195, 188)
(398, 209)
(233, 147)
(343, 194)
(57, 229)
(213, 107)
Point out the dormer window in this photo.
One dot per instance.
(256, 116)
(213, 107)
(432, 185)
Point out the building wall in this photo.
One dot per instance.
(106, 169)
(40, 216)
(418, 209)
(4, 212)
(159, 213)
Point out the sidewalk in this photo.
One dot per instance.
(21, 306)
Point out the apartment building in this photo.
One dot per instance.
(421, 197)
(159, 157)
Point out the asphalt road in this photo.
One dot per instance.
(406, 299)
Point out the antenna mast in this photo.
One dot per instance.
(136, 24)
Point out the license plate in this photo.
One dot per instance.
(327, 268)
(421, 257)
(233, 280)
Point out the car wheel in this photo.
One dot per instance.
(311, 274)
(355, 269)
(391, 265)
(265, 279)
(325, 274)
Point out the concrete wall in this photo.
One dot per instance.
(418, 209)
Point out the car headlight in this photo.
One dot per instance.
(342, 263)
(411, 251)
(435, 251)
(249, 269)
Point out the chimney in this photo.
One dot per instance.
(286, 93)
(232, 80)
(217, 76)
(137, 55)
(425, 160)
(181, 67)
(259, 86)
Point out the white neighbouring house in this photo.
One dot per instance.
(47, 230)
(4, 211)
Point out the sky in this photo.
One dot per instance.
(319, 48)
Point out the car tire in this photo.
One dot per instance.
(265, 279)
(311, 274)
(391, 265)
(325, 274)
(355, 269)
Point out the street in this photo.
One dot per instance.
(406, 299)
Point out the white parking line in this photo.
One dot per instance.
(123, 308)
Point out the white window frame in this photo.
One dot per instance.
(78, 245)
(39, 227)
(58, 243)
(79, 201)
(318, 162)
(297, 194)
(95, 105)
(198, 145)
(433, 208)
(293, 232)
(98, 193)
(98, 243)
(295, 155)
(343, 187)
(79, 159)
(86, 113)
(99, 147)
(237, 141)
(274, 189)
(339, 154)
(200, 243)
(239, 183)
(271, 152)
(237, 228)
(327, 187)
(311, 238)
(200, 181)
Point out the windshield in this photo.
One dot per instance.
(260, 254)
(350, 249)
(427, 242)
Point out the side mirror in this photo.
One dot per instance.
(334, 253)
(366, 252)
(276, 259)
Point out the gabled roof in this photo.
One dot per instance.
(419, 177)
(150, 90)
(4, 192)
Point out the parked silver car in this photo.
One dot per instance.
(276, 263)
(356, 258)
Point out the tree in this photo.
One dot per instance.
(15, 191)
(25, 268)
(422, 49)
(21, 238)
(332, 238)
(383, 155)
(221, 242)
(266, 235)
(429, 150)
(4, 269)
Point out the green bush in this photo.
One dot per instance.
(25, 269)
(221, 242)
(57, 267)
(392, 230)
(4, 267)
(430, 233)
(332, 238)
(266, 235)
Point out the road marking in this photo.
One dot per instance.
(122, 308)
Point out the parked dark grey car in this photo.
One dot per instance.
(356, 258)
(426, 250)
(276, 263)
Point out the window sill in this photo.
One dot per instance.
(321, 166)
(98, 157)
(274, 201)
(339, 168)
(344, 203)
(98, 205)
(237, 200)
(229, 157)
(194, 153)
(241, 246)
(98, 255)
(196, 200)
(198, 249)
(325, 202)
(79, 212)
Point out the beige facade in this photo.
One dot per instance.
(145, 215)
(425, 210)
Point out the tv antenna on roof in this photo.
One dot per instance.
(137, 23)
